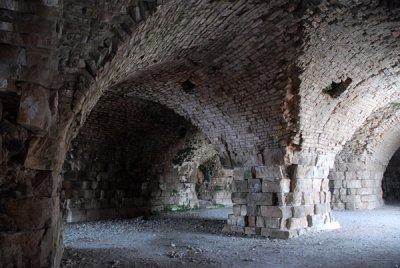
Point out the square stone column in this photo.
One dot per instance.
(281, 201)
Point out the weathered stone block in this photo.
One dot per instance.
(254, 185)
(252, 210)
(302, 172)
(250, 230)
(273, 223)
(310, 198)
(270, 172)
(242, 186)
(40, 212)
(259, 198)
(237, 229)
(276, 212)
(45, 183)
(354, 184)
(303, 185)
(240, 198)
(302, 211)
(36, 109)
(238, 174)
(317, 185)
(277, 186)
(297, 223)
(294, 199)
(260, 221)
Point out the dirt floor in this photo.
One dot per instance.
(193, 239)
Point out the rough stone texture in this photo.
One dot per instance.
(251, 75)
(391, 179)
(30, 218)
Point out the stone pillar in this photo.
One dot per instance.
(282, 201)
(30, 218)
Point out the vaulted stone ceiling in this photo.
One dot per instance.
(250, 74)
(258, 70)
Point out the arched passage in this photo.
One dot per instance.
(391, 180)
(133, 157)
(356, 179)
(252, 75)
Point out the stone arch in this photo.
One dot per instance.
(259, 67)
(157, 71)
(133, 157)
(356, 180)
(373, 82)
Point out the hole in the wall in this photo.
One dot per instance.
(188, 87)
(336, 89)
(182, 132)
(84, 10)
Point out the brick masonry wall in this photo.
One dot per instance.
(257, 70)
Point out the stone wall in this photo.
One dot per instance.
(253, 77)
(251, 102)
(30, 218)
(134, 156)
(391, 179)
(356, 179)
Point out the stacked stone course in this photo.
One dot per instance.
(282, 201)
(258, 69)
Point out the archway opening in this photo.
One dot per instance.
(134, 157)
(391, 180)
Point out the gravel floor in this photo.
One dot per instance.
(193, 239)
